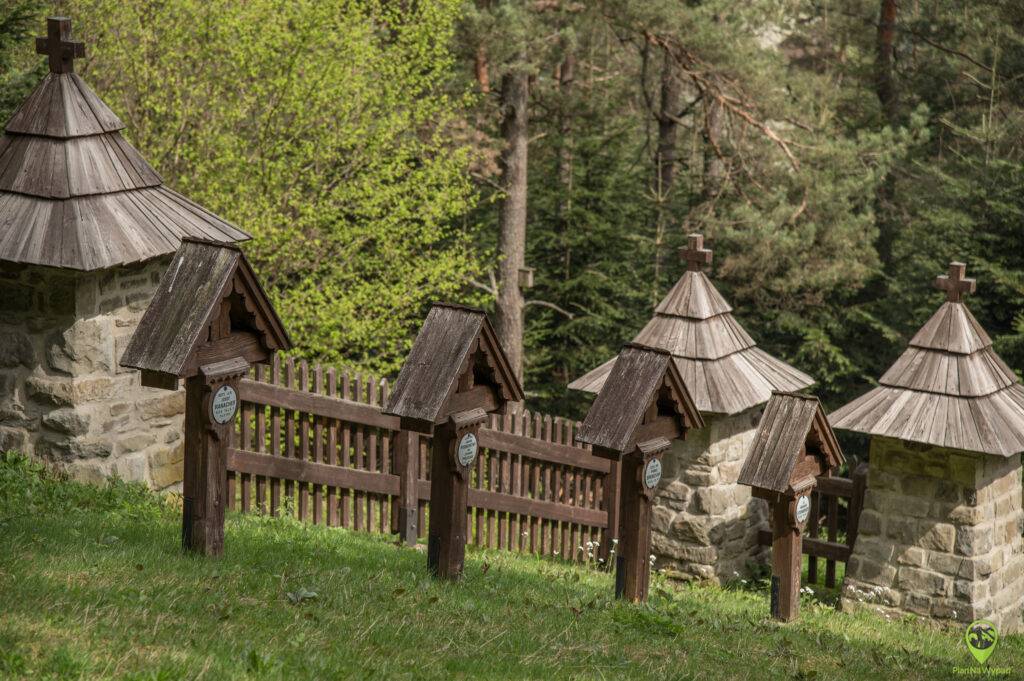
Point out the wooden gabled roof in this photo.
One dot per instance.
(200, 278)
(723, 367)
(949, 388)
(634, 383)
(451, 338)
(789, 423)
(73, 193)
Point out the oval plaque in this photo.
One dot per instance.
(225, 403)
(467, 449)
(803, 509)
(652, 473)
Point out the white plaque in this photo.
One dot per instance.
(225, 403)
(467, 449)
(652, 473)
(803, 509)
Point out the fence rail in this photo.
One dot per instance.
(313, 442)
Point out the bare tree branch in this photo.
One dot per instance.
(556, 308)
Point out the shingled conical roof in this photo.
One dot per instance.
(73, 193)
(949, 388)
(721, 364)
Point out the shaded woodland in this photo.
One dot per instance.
(546, 159)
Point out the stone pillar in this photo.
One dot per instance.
(63, 397)
(704, 524)
(940, 536)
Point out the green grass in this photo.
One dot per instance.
(94, 586)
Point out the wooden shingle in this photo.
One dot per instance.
(453, 340)
(949, 388)
(793, 426)
(723, 367)
(642, 379)
(209, 303)
(75, 195)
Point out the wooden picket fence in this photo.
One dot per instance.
(313, 442)
(836, 503)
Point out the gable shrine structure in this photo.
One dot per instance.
(940, 533)
(705, 524)
(87, 228)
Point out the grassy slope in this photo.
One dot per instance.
(97, 588)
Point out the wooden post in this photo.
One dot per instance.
(407, 449)
(211, 402)
(612, 499)
(641, 473)
(787, 547)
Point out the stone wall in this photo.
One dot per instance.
(63, 397)
(940, 536)
(704, 523)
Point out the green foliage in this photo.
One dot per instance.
(17, 21)
(92, 593)
(320, 127)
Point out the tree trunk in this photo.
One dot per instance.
(714, 164)
(566, 74)
(885, 89)
(885, 86)
(512, 216)
(665, 160)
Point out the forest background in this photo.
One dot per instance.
(837, 154)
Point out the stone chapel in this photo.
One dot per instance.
(705, 524)
(940, 533)
(87, 228)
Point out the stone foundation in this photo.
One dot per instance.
(940, 536)
(63, 397)
(705, 524)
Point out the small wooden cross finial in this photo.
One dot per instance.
(954, 283)
(59, 47)
(695, 255)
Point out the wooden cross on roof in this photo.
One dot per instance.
(695, 255)
(59, 46)
(954, 283)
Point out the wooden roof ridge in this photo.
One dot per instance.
(63, 106)
(949, 388)
(74, 194)
(52, 168)
(175, 323)
(789, 420)
(693, 296)
(448, 341)
(952, 328)
(636, 378)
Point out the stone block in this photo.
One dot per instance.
(940, 537)
(68, 421)
(164, 405)
(912, 555)
(132, 468)
(691, 528)
(871, 571)
(84, 449)
(165, 465)
(713, 500)
(65, 392)
(92, 472)
(13, 439)
(870, 523)
(16, 350)
(964, 470)
(974, 540)
(135, 442)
